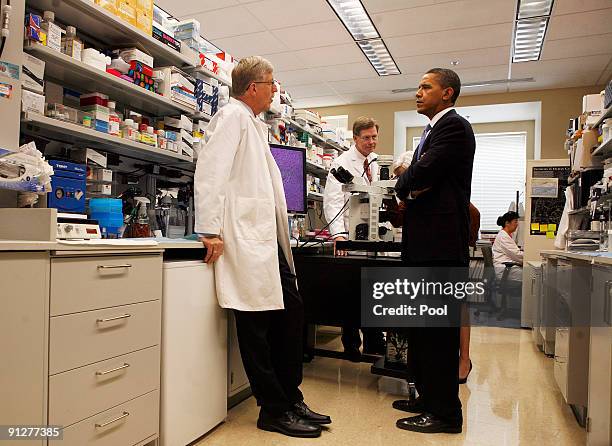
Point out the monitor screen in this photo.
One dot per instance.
(292, 163)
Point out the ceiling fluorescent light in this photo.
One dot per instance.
(528, 39)
(534, 8)
(355, 18)
(532, 18)
(474, 84)
(378, 55)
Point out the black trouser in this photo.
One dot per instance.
(433, 359)
(271, 347)
(373, 339)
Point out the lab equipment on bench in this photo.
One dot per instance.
(68, 185)
(366, 202)
(77, 227)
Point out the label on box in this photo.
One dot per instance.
(9, 70)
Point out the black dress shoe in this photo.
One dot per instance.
(304, 412)
(289, 423)
(412, 406)
(428, 424)
(464, 380)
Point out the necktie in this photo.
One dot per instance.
(422, 141)
(367, 170)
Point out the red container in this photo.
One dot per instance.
(94, 99)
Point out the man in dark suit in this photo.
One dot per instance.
(436, 191)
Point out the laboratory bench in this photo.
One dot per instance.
(83, 348)
(572, 313)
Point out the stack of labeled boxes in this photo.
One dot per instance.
(138, 13)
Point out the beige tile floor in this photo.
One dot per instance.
(510, 399)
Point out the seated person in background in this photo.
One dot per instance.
(505, 249)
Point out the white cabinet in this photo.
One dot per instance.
(194, 354)
(599, 422)
(24, 279)
(237, 380)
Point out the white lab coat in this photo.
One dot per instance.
(239, 195)
(334, 198)
(505, 250)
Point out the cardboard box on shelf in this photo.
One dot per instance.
(33, 70)
(32, 102)
(145, 6)
(144, 22)
(126, 12)
(89, 156)
(109, 5)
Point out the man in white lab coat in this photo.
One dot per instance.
(241, 217)
(360, 161)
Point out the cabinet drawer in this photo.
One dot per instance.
(123, 425)
(79, 339)
(89, 283)
(83, 392)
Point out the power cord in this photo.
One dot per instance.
(4, 31)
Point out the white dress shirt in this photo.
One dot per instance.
(333, 197)
(505, 250)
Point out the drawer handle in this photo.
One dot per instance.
(115, 318)
(116, 369)
(125, 265)
(114, 420)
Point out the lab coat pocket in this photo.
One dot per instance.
(255, 218)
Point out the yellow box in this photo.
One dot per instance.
(145, 6)
(144, 22)
(126, 12)
(109, 5)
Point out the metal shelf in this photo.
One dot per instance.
(607, 113)
(603, 149)
(315, 196)
(316, 170)
(74, 73)
(42, 126)
(330, 144)
(206, 72)
(605, 199)
(96, 21)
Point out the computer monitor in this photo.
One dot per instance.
(292, 163)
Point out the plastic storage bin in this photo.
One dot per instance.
(108, 212)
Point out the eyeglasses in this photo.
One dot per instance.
(272, 82)
(368, 138)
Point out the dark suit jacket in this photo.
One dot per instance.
(437, 222)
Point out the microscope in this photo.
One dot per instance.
(366, 202)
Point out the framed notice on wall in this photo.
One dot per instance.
(548, 186)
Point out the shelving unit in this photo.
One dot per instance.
(607, 113)
(582, 210)
(316, 170)
(315, 196)
(203, 71)
(326, 143)
(74, 73)
(604, 149)
(93, 20)
(42, 126)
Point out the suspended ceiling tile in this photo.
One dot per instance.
(275, 14)
(227, 22)
(467, 59)
(443, 17)
(313, 35)
(589, 23)
(186, 7)
(577, 46)
(251, 44)
(450, 41)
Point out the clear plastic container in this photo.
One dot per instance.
(62, 112)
